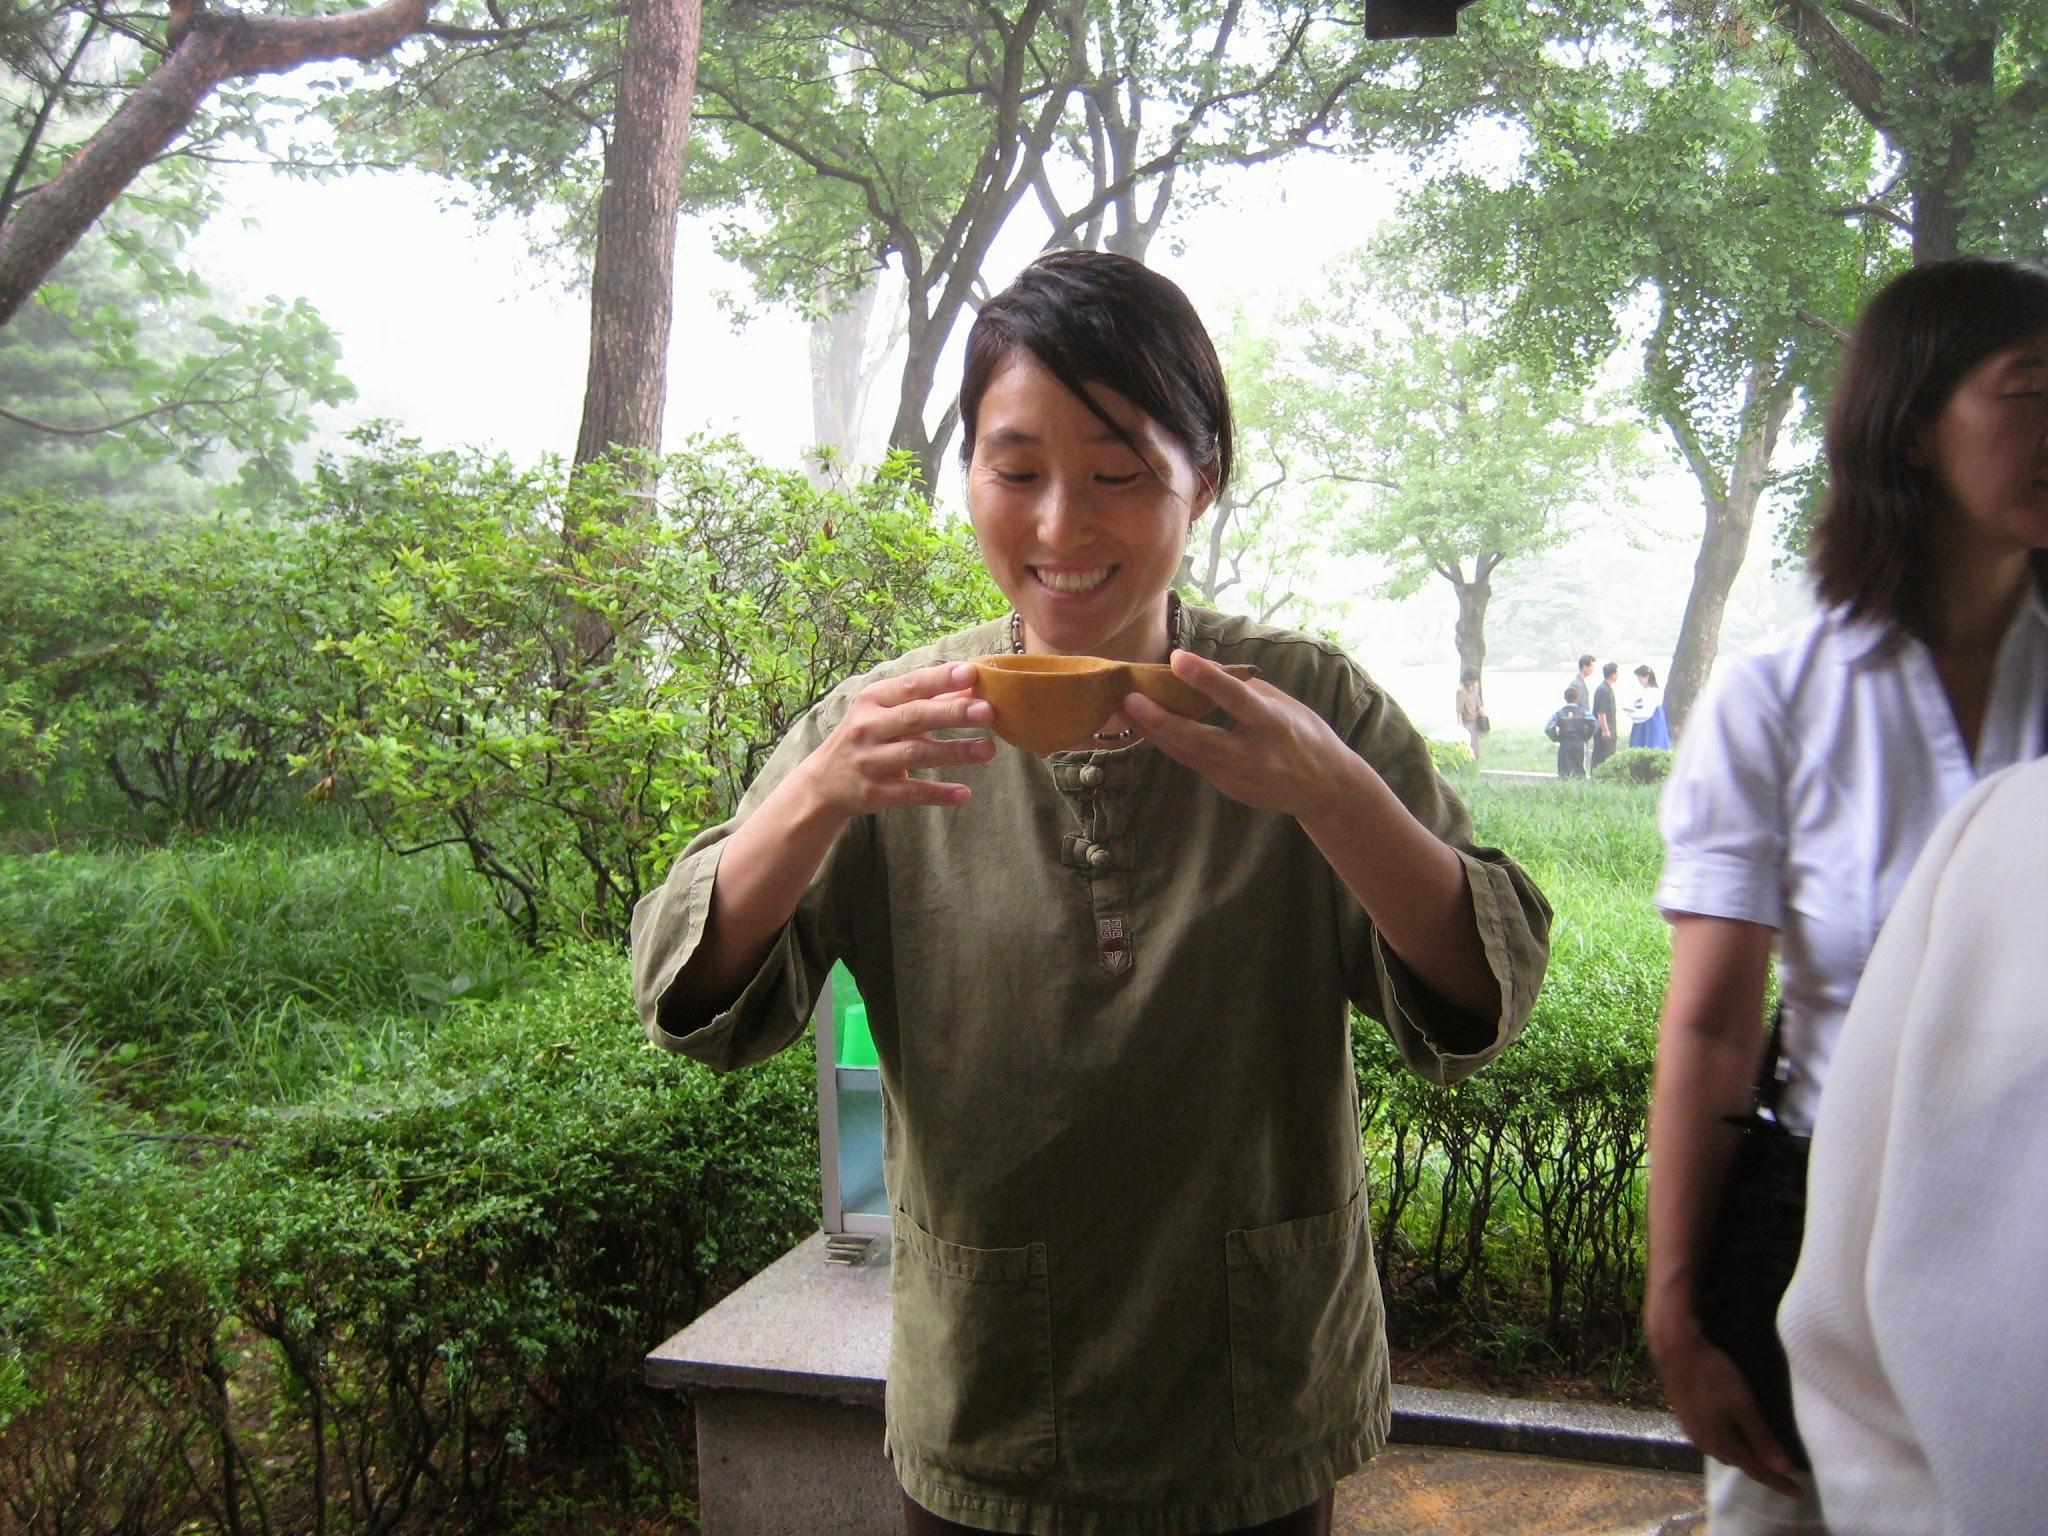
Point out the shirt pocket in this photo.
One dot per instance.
(970, 1354)
(1305, 1330)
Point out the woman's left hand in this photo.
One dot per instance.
(1277, 755)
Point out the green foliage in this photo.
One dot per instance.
(178, 659)
(178, 382)
(247, 972)
(1514, 1201)
(741, 598)
(1258, 546)
(407, 1285)
(126, 363)
(47, 1122)
(1445, 455)
(1637, 765)
(1452, 758)
(1753, 170)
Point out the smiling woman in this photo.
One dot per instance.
(1110, 986)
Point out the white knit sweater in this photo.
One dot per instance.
(1917, 1324)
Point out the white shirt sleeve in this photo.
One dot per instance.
(1917, 1322)
(1723, 811)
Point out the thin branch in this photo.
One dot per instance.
(1828, 48)
(1887, 22)
(1808, 317)
(126, 421)
(448, 32)
(188, 1136)
(42, 118)
(1874, 211)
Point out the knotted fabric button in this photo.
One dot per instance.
(1098, 856)
(1091, 776)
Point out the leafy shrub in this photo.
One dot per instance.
(1514, 1201)
(362, 1311)
(571, 713)
(1637, 765)
(1450, 757)
(178, 660)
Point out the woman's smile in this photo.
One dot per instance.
(1071, 581)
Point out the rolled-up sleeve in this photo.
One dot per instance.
(1513, 918)
(1723, 811)
(669, 925)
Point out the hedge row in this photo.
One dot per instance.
(356, 1314)
(1513, 1202)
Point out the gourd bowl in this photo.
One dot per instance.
(1045, 704)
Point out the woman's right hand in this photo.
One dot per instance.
(865, 765)
(1714, 1405)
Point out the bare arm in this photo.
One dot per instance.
(1709, 1044)
(768, 863)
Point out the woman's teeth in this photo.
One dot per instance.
(1074, 581)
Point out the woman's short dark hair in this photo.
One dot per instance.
(1873, 549)
(1648, 673)
(1091, 317)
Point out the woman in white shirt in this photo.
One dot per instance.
(1918, 1320)
(1817, 767)
(1647, 727)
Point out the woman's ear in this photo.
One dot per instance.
(1205, 495)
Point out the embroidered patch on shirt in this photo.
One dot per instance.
(1113, 943)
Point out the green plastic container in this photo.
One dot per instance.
(850, 1022)
(856, 1044)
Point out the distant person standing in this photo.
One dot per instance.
(1571, 728)
(1583, 681)
(1472, 710)
(1604, 715)
(1647, 727)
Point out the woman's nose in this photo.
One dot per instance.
(1065, 516)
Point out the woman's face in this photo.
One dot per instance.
(1989, 445)
(1082, 535)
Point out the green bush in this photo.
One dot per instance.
(362, 1311)
(1452, 758)
(1514, 1201)
(177, 660)
(570, 715)
(1637, 765)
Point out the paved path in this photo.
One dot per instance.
(1412, 1490)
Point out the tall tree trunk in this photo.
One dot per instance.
(632, 285)
(927, 339)
(1730, 514)
(1938, 183)
(839, 372)
(1208, 538)
(1473, 596)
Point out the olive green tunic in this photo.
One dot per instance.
(1133, 1278)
